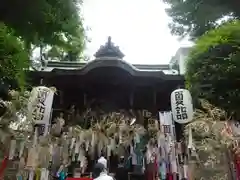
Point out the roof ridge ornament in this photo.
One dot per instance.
(109, 42)
(109, 50)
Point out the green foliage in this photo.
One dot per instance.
(13, 57)
(215, 60)
(75, 48)
(55, 52)
(47, 22)
(195, 17)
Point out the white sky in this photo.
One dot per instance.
(138, 27)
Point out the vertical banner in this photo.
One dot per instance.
(40, 106)
(168, 145)
(182, 113)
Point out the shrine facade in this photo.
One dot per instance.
(109, 82)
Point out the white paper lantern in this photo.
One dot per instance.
(182, 107)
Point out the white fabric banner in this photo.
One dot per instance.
(40, 105)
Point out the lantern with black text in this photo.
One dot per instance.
(182, 107)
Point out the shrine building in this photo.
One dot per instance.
(109, 82)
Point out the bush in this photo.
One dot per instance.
(13, 57)
(215, 61)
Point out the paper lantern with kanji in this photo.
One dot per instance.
(182, 106)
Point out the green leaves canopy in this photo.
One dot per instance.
(53, 22)
(215, 60)
(13, 57)
(43, 21)
(195, 17)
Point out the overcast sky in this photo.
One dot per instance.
(138, 27)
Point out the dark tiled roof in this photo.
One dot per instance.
(70, 64)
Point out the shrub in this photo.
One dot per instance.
(215, 61)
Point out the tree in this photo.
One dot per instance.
(194, 18)
(73, 52)
(56, 53)
(13, 57)
(47, 22)
(214, 60)
(38, 23)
